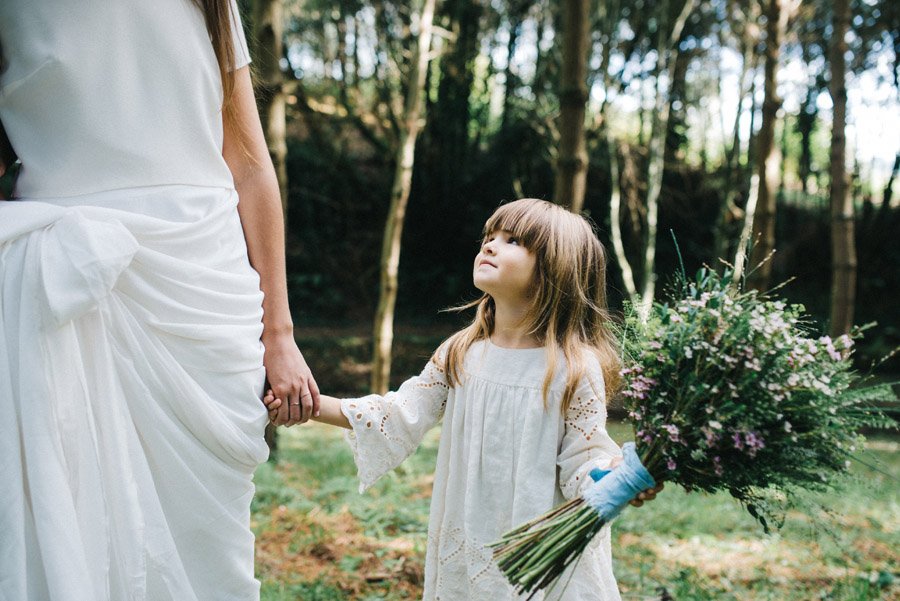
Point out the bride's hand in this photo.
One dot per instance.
(290, 380)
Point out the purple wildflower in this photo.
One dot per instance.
(672, 429)
(754, 443)
(670, 463)
(711, 437)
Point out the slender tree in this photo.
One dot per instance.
(843, 245)
(449, 121)
(572, 158)
(517, 12)
(268, 35)
(729, 213)
(666, 55)
(777, 13)
(390, 251)
(609, 14)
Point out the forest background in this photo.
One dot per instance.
(397, 127)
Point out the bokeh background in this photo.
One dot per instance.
(693, 121)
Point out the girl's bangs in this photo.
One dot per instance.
(525, 220)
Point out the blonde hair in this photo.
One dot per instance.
(219, 19)
(568, 311)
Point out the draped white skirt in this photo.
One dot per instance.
(130, 374)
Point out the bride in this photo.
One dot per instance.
(143, 302)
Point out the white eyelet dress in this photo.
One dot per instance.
(503, 460)
(130, 317)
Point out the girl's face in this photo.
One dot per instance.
(504, 268)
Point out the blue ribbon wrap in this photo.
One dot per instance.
(613, 489)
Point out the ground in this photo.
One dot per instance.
(318, 539)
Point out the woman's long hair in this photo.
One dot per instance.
(568, 311)
(218, 17)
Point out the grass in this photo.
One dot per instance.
(319, 539)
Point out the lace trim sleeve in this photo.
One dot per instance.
(586, 444)
(388, 429)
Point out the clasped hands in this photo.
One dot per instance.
(288, 377)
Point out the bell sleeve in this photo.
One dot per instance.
(388, 429)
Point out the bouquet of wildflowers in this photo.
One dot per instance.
(726, 390)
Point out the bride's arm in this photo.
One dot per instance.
(261, 216)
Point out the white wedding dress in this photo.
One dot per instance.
(130, 317)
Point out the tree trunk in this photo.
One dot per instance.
(537, 82)
(667, 51)
(677, 109)
(615, 218)
(748, 72)
(749, 213)
(449, 124)
(843, 247)
(268, 29)
(889, 188)
(806, 125)
(749, 163)
(517, 12)
(393, 231)
(729, 213)
(768, 155)
(572, 159)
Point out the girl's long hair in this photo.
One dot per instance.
(568, 311)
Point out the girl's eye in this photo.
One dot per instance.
(512, 240)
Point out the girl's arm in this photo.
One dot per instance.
(586, 443)
(329, 410)
(386, 429)
(260, 209)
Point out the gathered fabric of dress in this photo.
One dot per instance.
(504, 458)
(131, 365)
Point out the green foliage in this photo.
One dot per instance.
(730, 390)
(307, 591)
(838, 546)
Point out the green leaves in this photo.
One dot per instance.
(757, 398)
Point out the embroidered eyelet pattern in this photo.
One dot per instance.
(395, 423)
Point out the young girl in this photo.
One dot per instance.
(522, 394)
